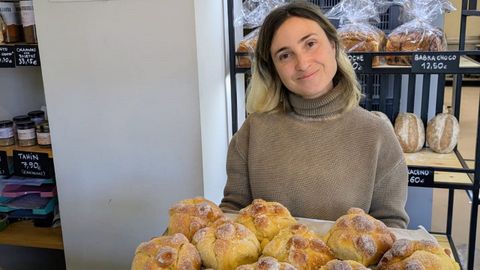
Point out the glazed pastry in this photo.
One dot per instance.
(267, 263)
(343, 265)
(359, 237)
(167, 252)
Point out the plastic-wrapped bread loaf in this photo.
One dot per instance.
(362, 38)
(410, 132)
(442, 133)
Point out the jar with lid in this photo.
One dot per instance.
(37, 116)
(28, 21)
(10, 13)
(17, 119)
(6, 133)
(26, 133)
(43, 134)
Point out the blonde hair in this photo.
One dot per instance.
(266, 91)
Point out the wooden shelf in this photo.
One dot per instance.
(35, 148)
(23, 233)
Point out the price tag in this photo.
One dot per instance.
(420, 177)
(7, 56)
(27, 55)
(32, 164)
(4, 166)
(360, 62)
(434, 63)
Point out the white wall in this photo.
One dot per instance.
(124, 92)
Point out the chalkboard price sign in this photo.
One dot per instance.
(27, 55)
(420, 177)
(32, 164)
(434, 63)
(4, 166)
(360, 62)
(7, 56)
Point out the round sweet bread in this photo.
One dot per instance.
(426, 255)
(265, 219)
(410, 132)
(267, 263)
(167, 252)
(442, 133)
(225, 245)
(190, 215)
(343, 265)
(300, 247)
(359, 237)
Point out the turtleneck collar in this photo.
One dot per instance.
(327, 106)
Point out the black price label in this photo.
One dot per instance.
(7, 56)
(360, 62)
(4, 167)
(420, 177)
(32, 164)
(434, 63)
(27, 55)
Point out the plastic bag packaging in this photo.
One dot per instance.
(355, 31)
(253, 12)
(247, 45)
(417, 33)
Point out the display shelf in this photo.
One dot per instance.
(35, 149)
(24, 233)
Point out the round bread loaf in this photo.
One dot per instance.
(410, 132)
(265, 219)
(225, 245)
(300, 247)
(167, 252)
(267, 263)
(343, 265)
(442, 133)
(426, 255)
(190, 215)
(359, 237)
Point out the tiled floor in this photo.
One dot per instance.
(462, 205)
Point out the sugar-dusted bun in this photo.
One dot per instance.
(265, 219)
(360, 237)
(188, 216)
(425, 255)
(167, 252)
(442, 133)
(225, 245)
(410, 132)
(343, 265)
(267, 263)
(300, 247)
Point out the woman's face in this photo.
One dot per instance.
(304, 57)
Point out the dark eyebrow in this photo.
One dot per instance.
(300, 41)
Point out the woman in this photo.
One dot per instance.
(307, 143)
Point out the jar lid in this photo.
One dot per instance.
(21, 118)
(25, 124)
(43, 127)
(36, 113)
(6, 124)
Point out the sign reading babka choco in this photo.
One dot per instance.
(360, 62)
(434, 63)
(7, 56)
(420, 177)
(4, 168)
(27, 55)
(32, 164)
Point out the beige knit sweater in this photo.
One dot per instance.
(319, 162)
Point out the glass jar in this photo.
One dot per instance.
(6, 133)
(26, 133)
(37, 116)
(17, 119)
(28, 21)
(43, 134)
(10, 12)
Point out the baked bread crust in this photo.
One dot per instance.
(267, 263)
(442, 133)
(265, 219)
(225, 245)
(343, 265)
(426, 255)
(167, 252)
(363, 38)
(190, 215)
(359, 237)
(410, 132)
(247, 46)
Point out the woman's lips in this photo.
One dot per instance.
(307, 76)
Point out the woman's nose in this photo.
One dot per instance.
(302, 62)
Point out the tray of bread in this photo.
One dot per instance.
(265, 236)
